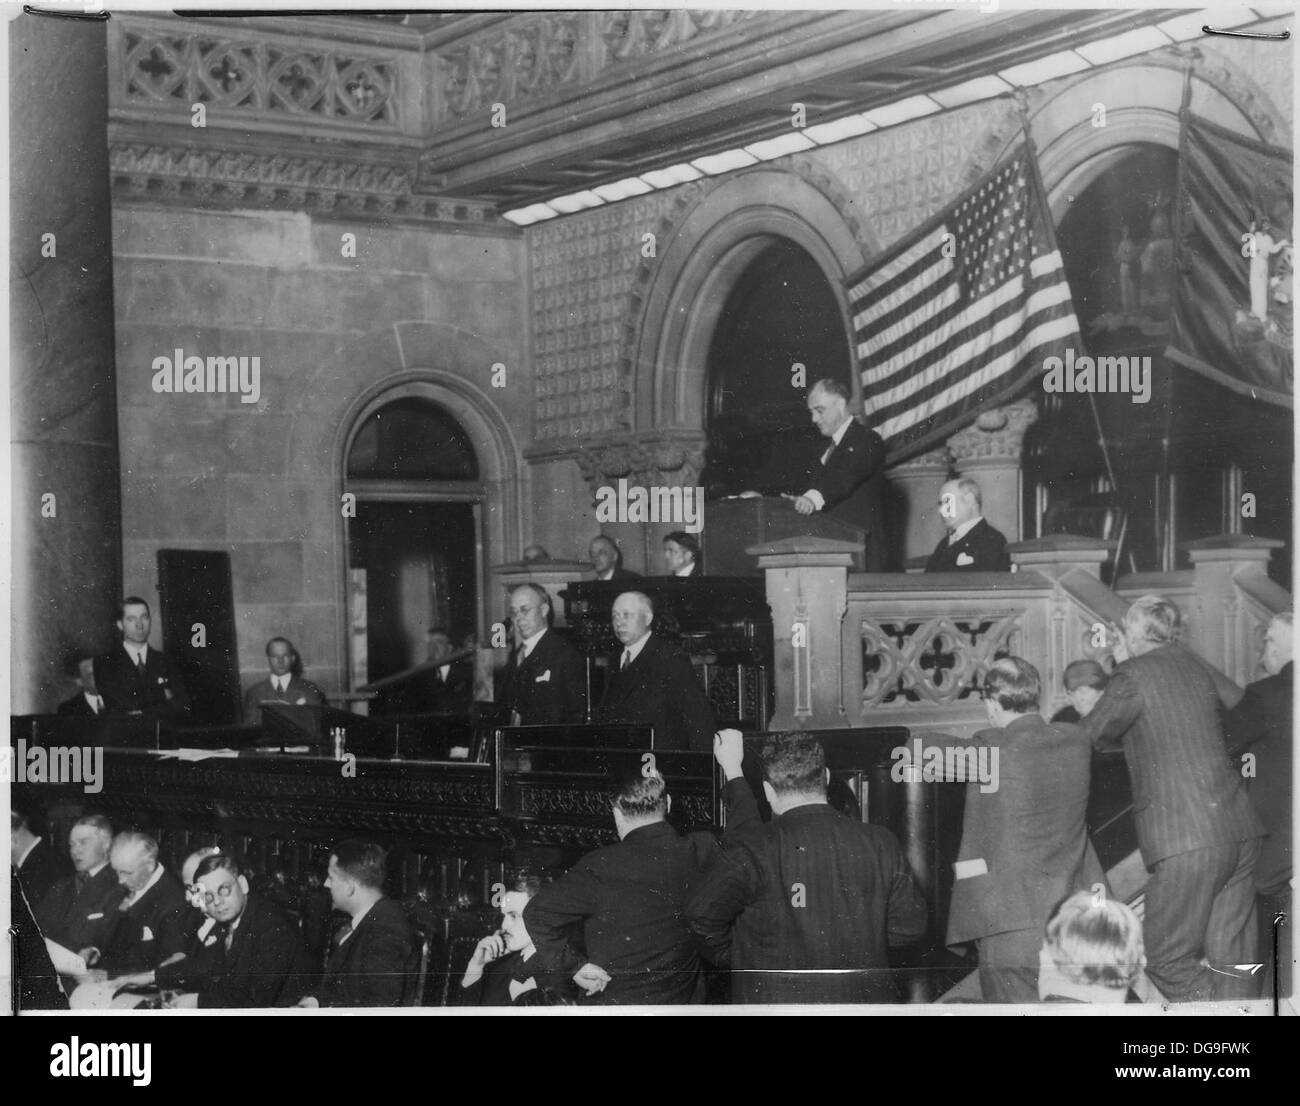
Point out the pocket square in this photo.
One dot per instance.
(964, 559)
(94, 917)
(147, 935)
(544, 678)
(965, 869)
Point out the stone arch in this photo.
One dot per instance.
(700, 258)
(423, 358)
(1142, 98)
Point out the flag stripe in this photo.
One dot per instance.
(938, 336)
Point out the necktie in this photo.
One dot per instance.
(281, 684)
(627, 659)
(139, 663)
(83, 881)
(97, 702)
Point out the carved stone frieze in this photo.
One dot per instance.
(995, 435)
(540, 55)
(183, 66)
(642, 462)
(323, 184)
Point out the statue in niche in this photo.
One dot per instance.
(1126, 257)
(1157, 265)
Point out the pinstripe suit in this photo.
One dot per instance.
(1198, 835)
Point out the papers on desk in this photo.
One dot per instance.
(195, 754)
(65, 961)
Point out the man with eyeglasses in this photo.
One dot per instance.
(248, 955)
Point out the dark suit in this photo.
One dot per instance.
(1031, 834)
(492, 988)
(659, 689)
(159, 924)
(124, 688)
(806, 908)
(77, 707)
(429, 693)
(1198, 835)
(41, 869)
(851, 482)
(550, 687)
(265, 691)
(628, 900)
(376, 965)
(1261, 724)
(622, 573)
(82, 914)
(38, 986)
(265, 965)
(986, 548)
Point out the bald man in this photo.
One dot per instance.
(652, 682)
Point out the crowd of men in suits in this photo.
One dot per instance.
(119, 930)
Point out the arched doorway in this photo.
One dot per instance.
(780, 328)
(415, 541)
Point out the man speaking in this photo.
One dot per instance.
(847, 481)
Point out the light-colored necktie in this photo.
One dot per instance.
(627, 659)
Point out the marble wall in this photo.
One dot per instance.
(262, 480)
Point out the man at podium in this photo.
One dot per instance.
(846, 482)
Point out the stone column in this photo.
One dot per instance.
(1226, 633)
(66, 510)
(988, 451)
(807, 591)
(914, 524)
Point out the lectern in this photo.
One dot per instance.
(733, 525)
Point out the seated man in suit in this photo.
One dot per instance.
(971, 544)
(626, 901)
(134, 679)
(1024, 842)
(545, 680)
(1085, 683)
(1093, 951)
(248, 954)
(38, 863)
(501, 971)
(847, 480)
(682, 554)
(1260, 725)
(652, 682)
(607, 558)
(155, 923)
(80, 912)
(374, 957)
(284, 685)
(87, 702)
(804, 908)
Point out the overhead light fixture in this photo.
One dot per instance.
(1140, 41)
(575, 201)
(622, 189)
(725, 162)
(674, 174)
(790, 143)
(901, 111)
(840, 129)
(1044, 69)
(980, 88)
(533, 213)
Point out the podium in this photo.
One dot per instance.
(733, 525)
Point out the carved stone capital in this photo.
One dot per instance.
(648, 462)
(996, 435)
(924, 464)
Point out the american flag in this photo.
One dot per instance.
(959, 315)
